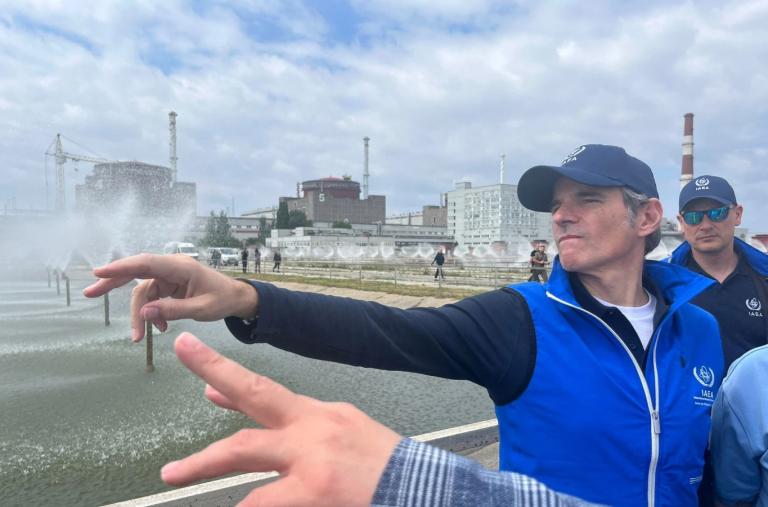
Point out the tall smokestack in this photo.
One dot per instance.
(686, 174)
(501, 168)
(365, 168)
(172, 127)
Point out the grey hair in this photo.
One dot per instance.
(633, 201)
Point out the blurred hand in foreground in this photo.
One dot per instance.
(326, 453)
(174, 287)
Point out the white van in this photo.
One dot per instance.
(177, 247)
(229, 256)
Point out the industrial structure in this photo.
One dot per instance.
(492, 215)
(395, 236)
(431, 215)
(686, 173)
(145, 189)
(334, 199)
(61, 157)
(148, 190)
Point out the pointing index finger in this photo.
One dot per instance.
(143, 266)
(258, 397)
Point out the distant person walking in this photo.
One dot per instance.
(244, 259)
(538, 264)
(277, 258)
(439, 260)
(256, 261)
(216, 258)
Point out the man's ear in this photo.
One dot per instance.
(738, 211)
(649, 217)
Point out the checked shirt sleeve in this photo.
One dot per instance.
(421, 475)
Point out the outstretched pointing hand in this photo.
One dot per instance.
(174, 287)
(327, 454)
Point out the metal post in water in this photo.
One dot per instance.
(49, 277)
(395, 275)
(58, 286)
(106, 309)
(150, 360)
(66, 281)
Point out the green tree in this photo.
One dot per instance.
(264, 231)
(218, 232)
(210, 231)
(341, 224)
(297, 218)
(283, 217)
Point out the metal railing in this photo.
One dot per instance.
(401, 271)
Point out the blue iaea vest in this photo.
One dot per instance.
(592, 422)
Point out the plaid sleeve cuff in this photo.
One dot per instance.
(421, 475)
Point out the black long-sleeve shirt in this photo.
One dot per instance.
(488, 339)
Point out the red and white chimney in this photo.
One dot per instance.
(686, 174)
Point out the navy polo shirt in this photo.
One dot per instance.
(737, 306)
(616, 320)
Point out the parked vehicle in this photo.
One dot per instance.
(229, 256)
(178, 247)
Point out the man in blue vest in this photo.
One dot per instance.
(602, 378)
(709, 214)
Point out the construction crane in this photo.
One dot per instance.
(56, 151)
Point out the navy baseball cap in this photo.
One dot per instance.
(707, 187)
(598, 165)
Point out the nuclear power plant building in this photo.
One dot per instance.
(337, 200)
(145, 189)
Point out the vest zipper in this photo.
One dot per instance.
(655, 418)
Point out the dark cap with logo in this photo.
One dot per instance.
(597, 165)
(707, 187)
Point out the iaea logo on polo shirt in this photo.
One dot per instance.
(754, 306)
(702, 184)
(705, 375)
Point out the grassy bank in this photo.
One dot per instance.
(435, 291)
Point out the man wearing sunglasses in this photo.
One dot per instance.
(709, 215)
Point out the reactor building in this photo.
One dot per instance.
(145, 189)
(335, 199)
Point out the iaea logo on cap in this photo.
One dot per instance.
(574, 154)
(702, 184)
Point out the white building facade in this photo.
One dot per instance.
(492, 214)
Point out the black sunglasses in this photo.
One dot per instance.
(714, 214)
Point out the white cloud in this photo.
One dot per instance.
(267, 95)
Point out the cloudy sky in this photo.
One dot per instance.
(272, 92)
